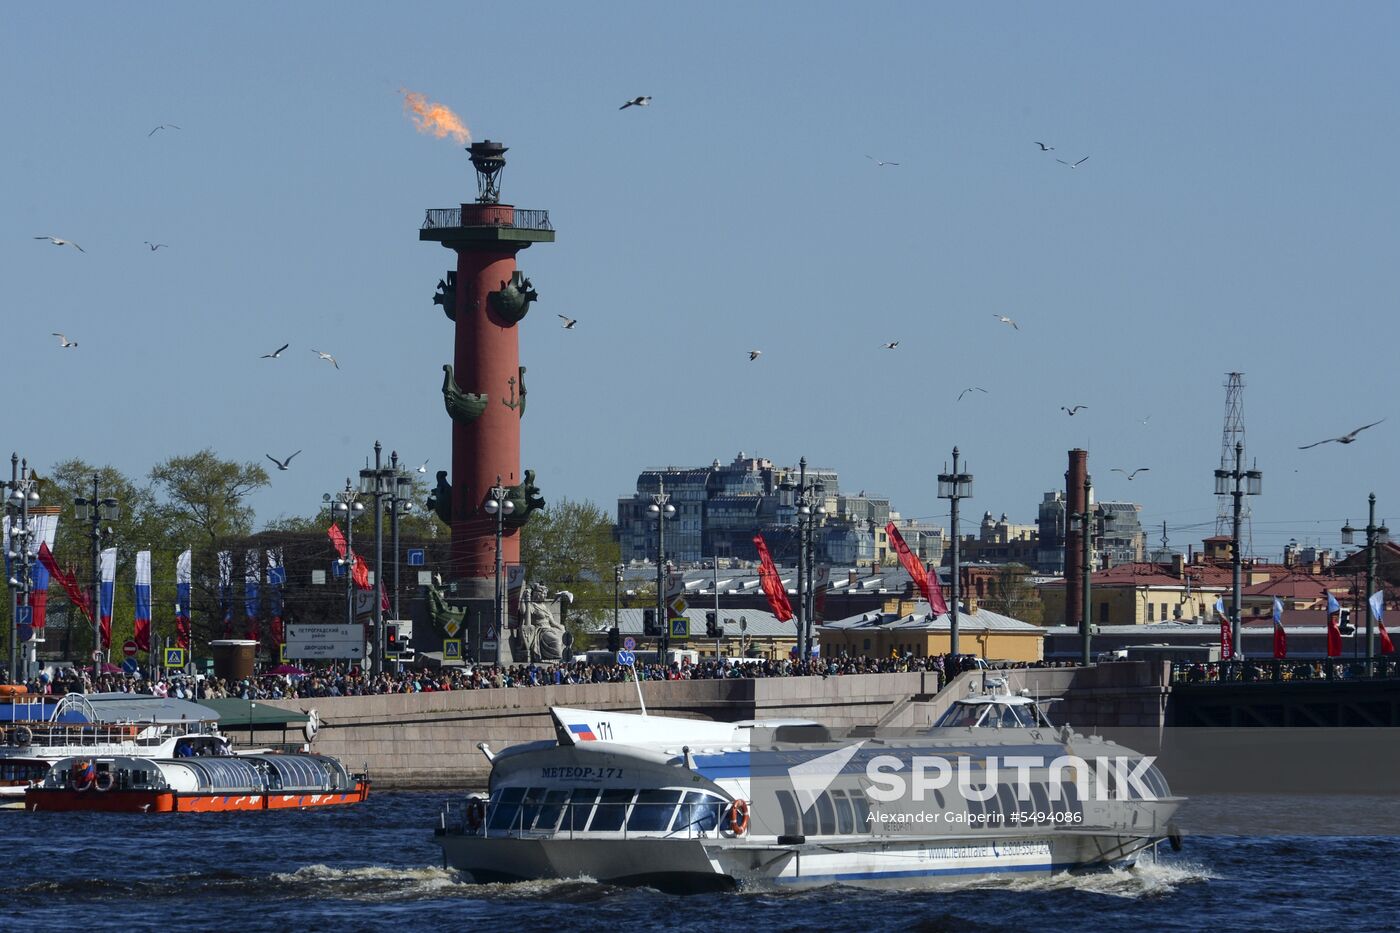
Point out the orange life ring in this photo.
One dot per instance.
(476, 813)
(739, 817)
(9, 690)
(104, 781)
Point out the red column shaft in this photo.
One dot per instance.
(486, 357)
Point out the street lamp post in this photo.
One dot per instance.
(811, 512)
(662, 510)
(499, 505)
(95, 511)
(384, 482)
(954, 486)
(347, 505)
(618, 573)
(1246, 482)
(400, 503)
(1375, 534)
(23, 494)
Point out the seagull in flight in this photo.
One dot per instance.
(56, 241)
(163, 126)
(970, 389)
(325, 356)
(276, 354)
(1071, 411)
(1345, 438)
(636, 102)
(64, 342)
(1073, 164)
(891, 345)
(281, 464)
(878, 162)
(1045, 148)
(754, 354)
(1006, 320)
(1129, 475)
(423, 467)
(569, 322)
(156, 246)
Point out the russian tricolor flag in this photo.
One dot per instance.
(107, 561)
(1280, 636)
(141, 631)
(583, 733)
(182, 599)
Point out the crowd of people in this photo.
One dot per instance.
(338, 680)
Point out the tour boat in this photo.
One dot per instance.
(36, 731)
(196, 784)
(690, 805)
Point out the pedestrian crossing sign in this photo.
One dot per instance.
(174, 657)
(452, 649)
(680, 628)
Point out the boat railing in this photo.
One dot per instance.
(1285, 670)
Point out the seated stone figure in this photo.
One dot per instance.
(541, 634)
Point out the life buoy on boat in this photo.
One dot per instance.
(739, 817)
(476, 813)
(104, 781)
(24, 735)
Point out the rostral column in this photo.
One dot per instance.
(486, 296)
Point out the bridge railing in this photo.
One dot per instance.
(1271, 670)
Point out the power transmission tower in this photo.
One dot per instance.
(1233, 433)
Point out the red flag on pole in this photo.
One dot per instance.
(772, 583)
(1280, 636)
(359, 571)
(1334, 634)
(1227, 644)
(68, 580)
(932, 592)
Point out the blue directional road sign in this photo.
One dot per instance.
(629, 643)
(131, 665)
(415, 557)
(626, 658)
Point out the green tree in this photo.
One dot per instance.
(204, 496)
(570, 546)
(1012, 594)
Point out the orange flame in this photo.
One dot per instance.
(437, 119)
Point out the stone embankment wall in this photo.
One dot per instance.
(430, 739)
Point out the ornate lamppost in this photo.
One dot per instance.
(23, 494)
(662, 510)
(1246, 482)
(498, 505)
(1375, 534)
(95, 511)
(953, 487)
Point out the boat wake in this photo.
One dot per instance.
(1147, 879)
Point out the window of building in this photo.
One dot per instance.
(1150, 609)
(1164, 612)
(1103, 612)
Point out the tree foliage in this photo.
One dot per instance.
(569, 546)
(1012, 594)
(204, 496)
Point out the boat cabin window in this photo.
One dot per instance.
(653, 810)
(699, 813)
(580, 808)
(962, 714)
(843, 812)
(612, 810)
(507, 808)
(1040, 798)
(554, 802)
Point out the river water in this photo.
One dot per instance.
(374, 867)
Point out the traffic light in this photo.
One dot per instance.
(614, 639)
(711, 625)
(391, 638)
(649, 626)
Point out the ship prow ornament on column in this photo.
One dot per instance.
(486, 298)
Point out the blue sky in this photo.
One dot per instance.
(1236, 213)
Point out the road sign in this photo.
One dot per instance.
(24, 615)
(629, 643)
(488, 645)
(129, 648)
(131, 665)
(680, 628)
(452, 649)
(174, 657)
(626, 658)
(415, 557)
(313, 640)
(678, 606)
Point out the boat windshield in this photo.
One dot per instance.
(993, 715)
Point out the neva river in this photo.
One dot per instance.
(374, 867)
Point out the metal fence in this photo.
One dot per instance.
(1272, 670)
(448, 217)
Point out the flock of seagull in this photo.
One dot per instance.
(569, 323)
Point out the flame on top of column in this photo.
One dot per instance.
(437, 119)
